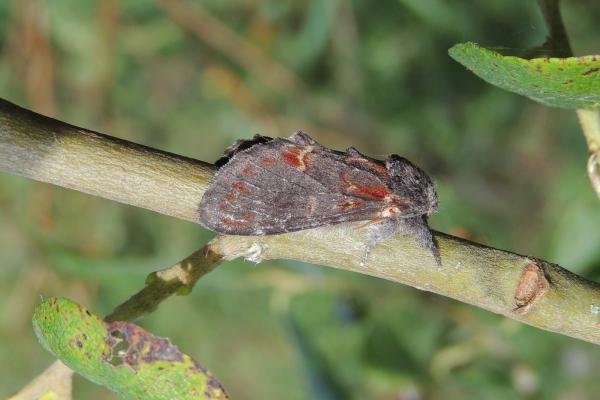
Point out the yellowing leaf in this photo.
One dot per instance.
(120, 355)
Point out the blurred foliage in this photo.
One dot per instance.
(376, 75)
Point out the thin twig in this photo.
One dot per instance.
(54, 383)
(523, 288)
(557, 44)
(160, 285)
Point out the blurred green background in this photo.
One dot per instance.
(190, 77)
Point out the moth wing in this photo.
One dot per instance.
(253, 214)
(278, 187)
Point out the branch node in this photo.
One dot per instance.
(532, 285)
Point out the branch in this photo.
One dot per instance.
(179, 278)
(526, 289)
(48, 150)
(54, 383)
(557, 44)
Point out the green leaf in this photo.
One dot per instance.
(557, 82)
(121, 356)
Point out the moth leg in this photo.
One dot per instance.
(417, 227)
(378, 231)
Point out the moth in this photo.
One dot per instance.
(267, 186)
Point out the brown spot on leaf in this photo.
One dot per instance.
(76, 342)
(591, 71)
(139, 347)
(532, 285)
(134, 347)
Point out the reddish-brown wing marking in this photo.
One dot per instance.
(269, 186)
(286, 185)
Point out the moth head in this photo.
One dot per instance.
(238, 146)
(412, 184)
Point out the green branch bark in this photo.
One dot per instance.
(51, 151)
(523, 288)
